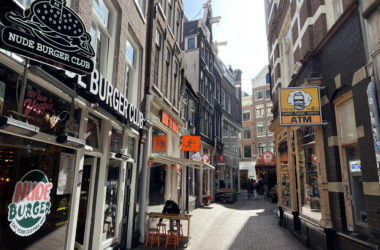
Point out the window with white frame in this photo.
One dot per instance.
(206, 88)
(179, 27)
(260, 129)
(247, 133)
(210, 93)
(246, 115)
(228, 103)
(103, 36)
(262, 147)
(201, 87)
(176, 82)
(157, 59)
(168, 61)
(288, 55)
(271, 147)
(269, 108)
(163, 4)
(191, 43)
(192, 107)
(260, 111)
(259, 95)
(247, 151)
(141, 4)
(237, 91)
(222, 99)
(170, 14)
(336, 9)
(270, 133)
(184, 106)
(267, 94)
(214, 89)
(132, 71)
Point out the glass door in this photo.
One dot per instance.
(85, 205)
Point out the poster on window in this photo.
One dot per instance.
(66, 174)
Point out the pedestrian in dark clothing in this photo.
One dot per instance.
(261, 186)
(255, 187)
(249, 188)
(171, 208)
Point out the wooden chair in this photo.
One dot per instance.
(161, 226)
(155, 237)
(172, 238)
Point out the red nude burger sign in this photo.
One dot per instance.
(56, 35)
(30, 203)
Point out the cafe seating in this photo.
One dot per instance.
(180, 227)
(155, 237)
(162, 227)
(224, 194)
(172, 238)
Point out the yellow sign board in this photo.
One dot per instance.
(300, 106)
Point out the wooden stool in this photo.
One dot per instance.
(180, 226)
(155, 237)
(161, 226)
(172, 238)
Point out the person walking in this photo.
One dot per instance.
(260, 183)
(249, 188)
(255, 187)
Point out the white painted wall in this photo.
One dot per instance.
(250, 166)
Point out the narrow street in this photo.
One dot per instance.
(244, 225)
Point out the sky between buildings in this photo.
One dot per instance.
(243, 27)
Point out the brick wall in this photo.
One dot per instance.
(342, 243)
(251, 141)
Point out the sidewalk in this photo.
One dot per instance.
(246, 224)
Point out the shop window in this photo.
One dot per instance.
(157, 186)
(259, 95)
(308, 173)
(260, 129)
(226, 138)
(260, 113)
(247, 133)
(24, 160)
(205, 181)
(246, 115)
(247, 151)
(159, 141)
(115, 142)
(93, 132)
(285, 174)
(262, 147)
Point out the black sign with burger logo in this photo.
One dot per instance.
(56, 36)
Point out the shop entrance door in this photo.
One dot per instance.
(86, 204)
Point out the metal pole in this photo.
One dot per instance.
(23, 86)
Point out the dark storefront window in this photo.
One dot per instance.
(25, 167)
(285, 174)
(115, 144)
(93, 132)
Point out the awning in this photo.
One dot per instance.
(184, 162)
(265, 165)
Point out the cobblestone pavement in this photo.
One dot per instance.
(244, 225)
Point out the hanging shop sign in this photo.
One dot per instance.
(268, 157)
(159, 143)
(196, 157)
(191, 143)
(55, 35)
(103, 90)
(30, 203)
(206, 158)
(300, 106)
(169, 122)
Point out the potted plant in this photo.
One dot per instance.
(150, 161)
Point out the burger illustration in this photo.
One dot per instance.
(56, 25)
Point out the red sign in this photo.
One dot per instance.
(159, 143)
(191, 143)
(165, 118)
(315, 159)
(206, 158)
(169, 122)
(268, 157)
(175, 127)
(221, 158)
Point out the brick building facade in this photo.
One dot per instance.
(324, 43)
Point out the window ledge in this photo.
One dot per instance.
(170, 30)
(176, 43)
(176, 110)
(167, 101)
(159, 92)
(161, 11)
(140, 12)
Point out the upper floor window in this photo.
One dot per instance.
(260, 111)
(267, 94)
(262, 147)
(206, 88)
(141, 4)
(270, 133)
(210, 92)
(132, 71)
(228, 103)
(336, 9)
(260, 129)
(202, 83)
(246, 115)
(191, 43)
(207, 57)
(259, 95)
(247, 133)
(210, 120)
(237, 90)
(203, 49)
(157, 60)
(176, 83)
(170, 14)
(288, 54)
(168, 73)
(184, 106)
(211, 63)
(102, 11)
(163, 4)
(222, 96)
(205, 125)
(269, 108)
(179, 26)
(218, 91)
(267, 78)
(247, 151)
(271, 147)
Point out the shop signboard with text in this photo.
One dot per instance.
(169, 122)
(51, 33)
(300, 106)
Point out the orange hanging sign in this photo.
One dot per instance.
(159, 143)
(191, 143)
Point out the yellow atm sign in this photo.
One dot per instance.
(300, 106)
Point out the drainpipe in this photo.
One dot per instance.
(144, 172)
